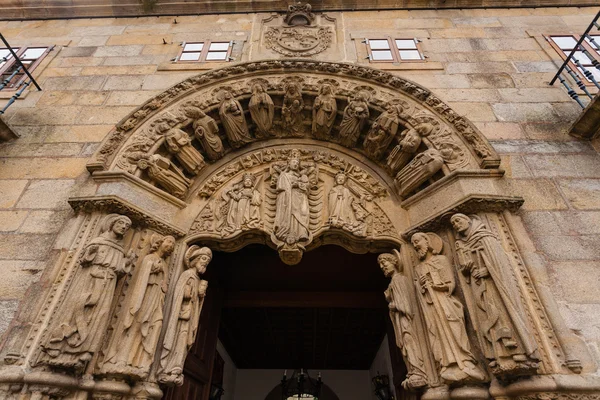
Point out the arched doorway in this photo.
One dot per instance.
(248, 155)
(326, 314)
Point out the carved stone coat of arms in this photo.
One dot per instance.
(298, 41)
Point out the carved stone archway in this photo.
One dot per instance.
(293, 154)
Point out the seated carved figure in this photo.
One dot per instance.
(165, 174)
(382, 131)
(421, 168)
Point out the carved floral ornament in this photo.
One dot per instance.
(397, 124)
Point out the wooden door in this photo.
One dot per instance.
(199, 363)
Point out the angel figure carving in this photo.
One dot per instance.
(165, 174)
(291, 111)
(347, 206)
(356, 114)
(383, 131)
(234, 121)
(180, 145)
(135, 337)
(262, 110)
(324, 112)
(241, 208)
(182, 325)
(77, 332)
(206, 131)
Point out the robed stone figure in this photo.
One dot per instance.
(324, 112)
(206, 131)
(262, 110)
(496, 310)
(355, 116)
(164, 173)
(135, 336)
(383, 131)
(242, 205)
(443, 312)
(79, 325)
(179, 144)
(182, 325)
(234, 121)
(292, 216)
(402, 308)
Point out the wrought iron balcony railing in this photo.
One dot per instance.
(8, 76)
(573, 65)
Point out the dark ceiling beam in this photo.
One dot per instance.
(256, 299)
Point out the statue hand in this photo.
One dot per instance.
(481, 273)
(439, 288)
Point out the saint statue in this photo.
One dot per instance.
(262, 110)
(292, 215)
(443, 312)
(404, 151)
(291, 112)
(77, 331)
(182, 324)
(234, 121)
(496, 309)
(324, 112)
(135, 337)
(421, 168)
(356, 114)
(402, 313)
(347, 208)
(206, 131)
(179, 144)
(242, 205)
(165, 174)
(383, 131)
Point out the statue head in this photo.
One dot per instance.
(424, 129)
(460, 222)
(326, 89)
(389, 264)
(166, 244)
(198, 258)
(227, 95)
(340, 178)
(248, 180)
(162, 127)
(294, 161)
(116, 224)
(258, 88)
(424, 243)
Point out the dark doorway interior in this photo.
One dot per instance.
(327, 312)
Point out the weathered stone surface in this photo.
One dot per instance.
(583, 194)
(44, 221)
(25, 246)
(17, 276)
(11, 220)
(10, 191)
(47, 194)
(525, 112)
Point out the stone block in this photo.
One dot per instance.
(10, 221)
(547, 131)
(131, 98)
(160, 81)
(569, 247)
(484, 81)
(47, 194)
(525, 112)
(118, 51)
(69, 71)
(469, 95)
(534, 21)
(501, 130)
(567, 165)
(582, 194)
(568, 275)
(149, 38)
(74, 83)
(107, 30)
(476, 112)
(567, 111)
(103, 115)
(453, 45)
(40, 150)
(119, 70)
(514, 167)
(539, 194)
(535, 66)
(477, 22)
(77, 51)
(533, 79)
(54, 115)
(125, 82)
(10, 191)
(514, 44)
(438, 80)
(43, 221)
(25, 246)
(78, 133)
(155, 49)
(505, 32)
(542, 147)
(8, 309)
(480, 68)
(148, 28)
(535, 95)
(421, 23)
(41, 168)
(79, 62)
(17, 276)
(471, 32)
(93, 41)
(135, 60)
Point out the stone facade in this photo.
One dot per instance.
(489, 66)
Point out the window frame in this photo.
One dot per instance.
(11, 61)
(561, 53)
(204, 52)
(393, 48)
